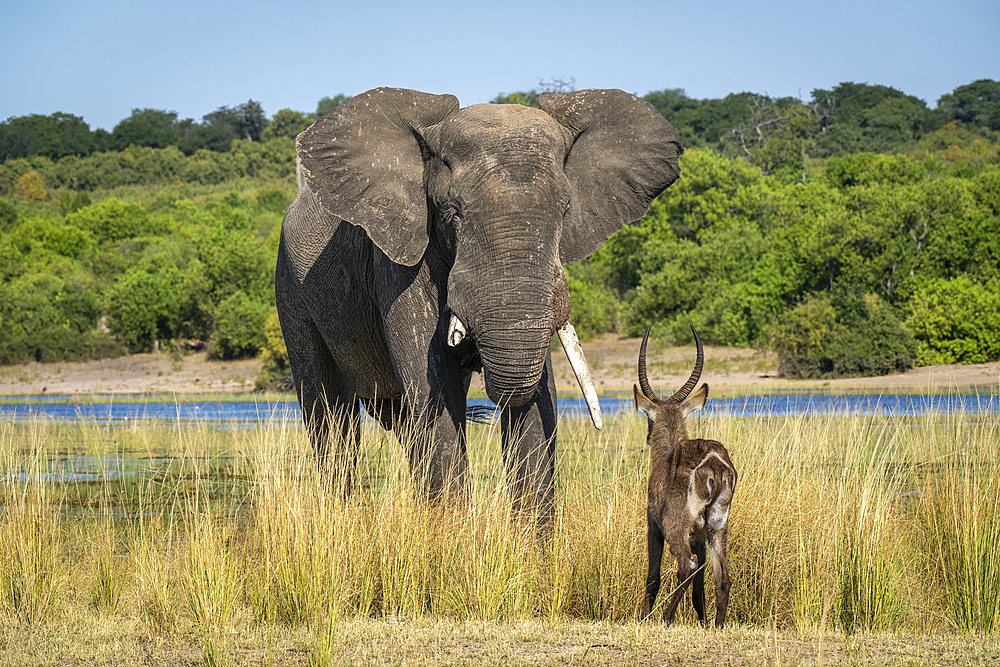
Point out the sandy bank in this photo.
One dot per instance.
(612, 359)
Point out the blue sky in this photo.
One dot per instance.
(102, 58)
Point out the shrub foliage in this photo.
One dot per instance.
(854, 234)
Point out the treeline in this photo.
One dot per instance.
(116, 276)
(849, 118)
(143, 165)
(59, 135)
(153, 146)
(877, 262)
(832, 231)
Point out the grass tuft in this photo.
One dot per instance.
(851, 524)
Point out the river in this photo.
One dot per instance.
(241, 414)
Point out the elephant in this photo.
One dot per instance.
(428, 243)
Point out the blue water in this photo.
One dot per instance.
(245, 414)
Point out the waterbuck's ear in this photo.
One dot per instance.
(695, 401)
(643, 404)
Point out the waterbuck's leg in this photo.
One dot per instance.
(686, 565)
(698, 584)
(654, 549)
(717, 546)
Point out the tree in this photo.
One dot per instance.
(115, 220)
(53, 136)
(36, 239)
(287, 123)
(211, 135)
(528, 99)
(146, 127)
(775, 134)
(824, 337)
(669, 100)
(146, 307)
(218, 129)
(594, 307)
(8, 215)
(47, 318)
(976, 103)
(275, 369)
(31, 186)
(709, 123)
(239, 327)
(674, 105)
(326, 104)
(236, 262)
(868, 118)
(247, 120)
(252, 120)
(956, 321)
(557, 85)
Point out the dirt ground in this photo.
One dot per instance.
(612, 359)
(154, 373)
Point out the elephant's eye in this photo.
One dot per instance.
(456, 220)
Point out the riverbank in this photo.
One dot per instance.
(612, 360)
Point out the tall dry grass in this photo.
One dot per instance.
(855, 524)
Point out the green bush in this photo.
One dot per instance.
(720, 283)
(955, 321)
(8, 215)
(239, 327)
(146, 307)
(594, 308)
(871, 168)
(47, 318)
(275, 372)
(70, 202)
(823, 338)
(41, 236)
(115, 220)
(59, 343)
(273, 200)
(235, 261)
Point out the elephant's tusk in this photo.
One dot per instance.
(456, 331)
(571, 344)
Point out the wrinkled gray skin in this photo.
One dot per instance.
(416, 210)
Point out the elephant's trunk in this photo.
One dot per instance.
(512, 351)
(513, 341)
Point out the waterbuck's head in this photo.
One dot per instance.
(666, 416)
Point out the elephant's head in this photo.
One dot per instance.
(506, 193)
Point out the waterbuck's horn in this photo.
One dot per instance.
(699, 362)
(647, 391)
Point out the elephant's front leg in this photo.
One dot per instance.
(431, 427)
(430, 421)
(433, 434)
(529, 445)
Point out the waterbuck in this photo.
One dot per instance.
(691, 484)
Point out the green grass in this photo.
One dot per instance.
(841, 527)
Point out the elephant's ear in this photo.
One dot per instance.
(364, 162)
(623, 155)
